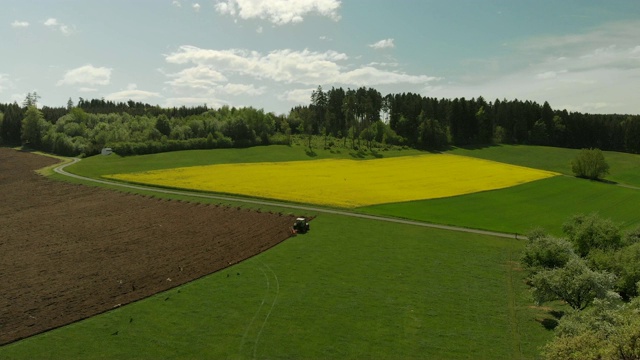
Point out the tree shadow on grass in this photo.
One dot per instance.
(548, 323)
(551, 323)
(310, 153)
(604, 181)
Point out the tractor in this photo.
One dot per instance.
(301, 226)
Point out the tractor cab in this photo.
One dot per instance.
(301, 226)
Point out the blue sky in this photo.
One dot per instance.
(579, 55)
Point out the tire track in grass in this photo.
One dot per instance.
(255, 316)
(273, 304)
(271, 295)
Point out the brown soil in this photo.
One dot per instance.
(68, 252)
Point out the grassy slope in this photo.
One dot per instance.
(97, 166)
(546, 203)
(350, 288)
(624, 168)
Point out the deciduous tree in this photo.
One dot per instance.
(588, 232)
(590, 164)
(33, 127)
(608, 330)
(546, 252)
(575, 283)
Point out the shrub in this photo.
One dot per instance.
(590, 164)
(546, 252)
(588, 232)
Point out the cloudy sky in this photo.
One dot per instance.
(582, 55)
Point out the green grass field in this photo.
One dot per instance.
(355, 288)
(624, 168)
(544, 203)
(351, 288)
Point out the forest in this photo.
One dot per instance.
(359, 117)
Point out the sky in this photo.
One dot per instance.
(579, 55)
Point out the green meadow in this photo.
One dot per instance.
(544, 203)
(357, 288)
(624, 168)
(350, 288)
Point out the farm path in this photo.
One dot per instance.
(61, 170)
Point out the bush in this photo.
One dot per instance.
(279, 139)
(546, 252)
(590, 164)
(627, 267)
(588, 232)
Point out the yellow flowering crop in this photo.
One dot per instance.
(347, 183)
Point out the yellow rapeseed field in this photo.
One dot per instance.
(347, 183)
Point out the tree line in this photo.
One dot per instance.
(359, 117)
(431, 123)
(135, 128)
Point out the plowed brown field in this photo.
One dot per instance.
(68, 252)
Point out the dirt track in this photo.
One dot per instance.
(68, 252)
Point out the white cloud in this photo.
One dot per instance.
(368, 76)
(5, 83)
(19, 24)
(51, 22)
(383, 44)
(259, 30)
(626, 32)
(18, 98)
(549, 74)
(196, 7)
(54, 23)
(592, 71)
(87, 89)
(176, 3)
(87, 74)
(388, 64)
(132, 94)
(298, 96)
(279, 65)
(279, 12)
(65, 29)
(194, 101)
(197, 77)
(243, 89)
(289, 66)
(225, 9)
(603, 90)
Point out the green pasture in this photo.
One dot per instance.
(624, 168)
(351, 288)
(546, 203)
